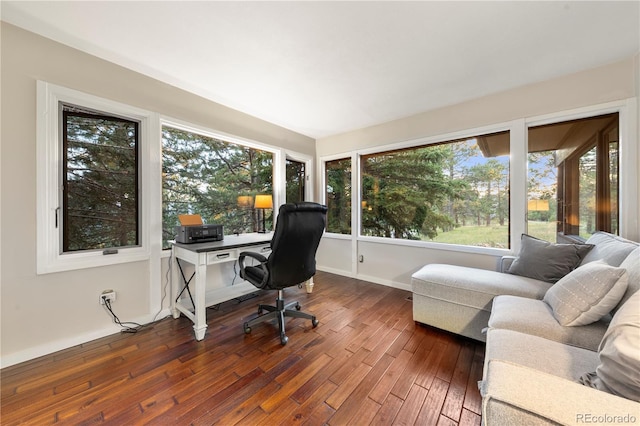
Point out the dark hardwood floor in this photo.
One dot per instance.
(367, 362)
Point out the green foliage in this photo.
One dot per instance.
(100, 196)
(203, 175)
(338, 177)
(419, 193)
(404, 191)
(295, 181)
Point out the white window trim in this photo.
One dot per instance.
(49, 163)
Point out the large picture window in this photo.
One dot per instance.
(214, 178)
(454, 192)
(100, 200)
(573, 178)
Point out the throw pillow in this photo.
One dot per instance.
(587, 294)
(619, 369)
(608, 247)
(547, 261)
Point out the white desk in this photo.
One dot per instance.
(201, 255)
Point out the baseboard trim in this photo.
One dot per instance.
(375, 280)
(58, 345)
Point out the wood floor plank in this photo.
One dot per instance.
(382, 389)
(367, 362)
(411, 407)
(431, 409)
(458, 386)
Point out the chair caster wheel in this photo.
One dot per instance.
(247, 329)
(297, 306)
(314, 322)
(284, 340)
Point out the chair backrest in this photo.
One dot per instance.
(294, 244)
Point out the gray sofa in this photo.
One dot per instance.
(537, 371)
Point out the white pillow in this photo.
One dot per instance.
(619, 369)
(587, 293)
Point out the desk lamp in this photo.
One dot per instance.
(263, 201)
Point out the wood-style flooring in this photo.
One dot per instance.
(367, 363)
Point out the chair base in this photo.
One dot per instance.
(280, 311)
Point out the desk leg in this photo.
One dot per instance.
(200, 325)
(175, 284)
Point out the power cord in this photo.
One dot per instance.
(133, 327)
(164, 288)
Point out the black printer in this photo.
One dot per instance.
(188, 234)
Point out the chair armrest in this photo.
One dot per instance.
(522, 393)
(505, 263)
(260, 258)
(257, 256)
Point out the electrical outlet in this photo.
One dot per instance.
(109, 295)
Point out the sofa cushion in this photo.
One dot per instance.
(471, 286)
(587, 293)
(547, 261)
(568, 362)
(610, 248)
(619, 369)
(535, 317)
(632, 266)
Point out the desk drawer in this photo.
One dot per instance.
(221, 256)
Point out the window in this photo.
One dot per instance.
(295, 171)
(92, 157)
(453, 192)
(100, 202)
(338, 195)
(215, 178)
(573, 178)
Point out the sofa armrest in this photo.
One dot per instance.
(505, 263)
(514, 394)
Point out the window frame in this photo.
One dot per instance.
(50, 257)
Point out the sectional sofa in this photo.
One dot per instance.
(562, 327)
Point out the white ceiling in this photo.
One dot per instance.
(322, 68)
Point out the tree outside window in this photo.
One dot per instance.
(454, 192)
(100, 199)
(213, 178)
(338, 195)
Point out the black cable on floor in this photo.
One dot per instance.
(132, 328)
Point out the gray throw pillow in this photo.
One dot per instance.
(586, 294)
(608, 247)
(547, 261)
(619, 369)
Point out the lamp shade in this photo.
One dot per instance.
(264, 201)
(245, 200)
(538, 205)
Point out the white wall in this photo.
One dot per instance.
(44, 313)
(392, 263)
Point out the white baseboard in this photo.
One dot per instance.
(58, 345)
(335, 271)
(375, 280)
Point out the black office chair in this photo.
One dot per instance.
(292, 261)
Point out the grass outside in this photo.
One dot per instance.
(494, 235)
